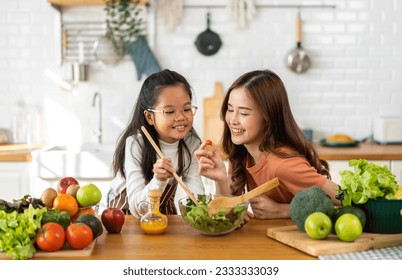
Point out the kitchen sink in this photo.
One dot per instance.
(88, 161)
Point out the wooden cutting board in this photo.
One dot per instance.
(213, 125)
(66, 252)
(294, 237)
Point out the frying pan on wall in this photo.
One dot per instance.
(208, 42)
(298, 60)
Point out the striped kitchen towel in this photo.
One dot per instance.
(390, 253)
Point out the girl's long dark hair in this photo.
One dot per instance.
(147, 98)
(280, 128)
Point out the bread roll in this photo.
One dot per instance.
(342, 138)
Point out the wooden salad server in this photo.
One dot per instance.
(228, 202)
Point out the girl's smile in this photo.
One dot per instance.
(171, 116)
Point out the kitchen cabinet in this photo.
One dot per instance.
(16, 180)
(396, 169)
(16, 170)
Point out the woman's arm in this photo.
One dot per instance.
(265, 207)
(331, 189)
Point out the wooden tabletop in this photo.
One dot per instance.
(181, 242)
(366, 150)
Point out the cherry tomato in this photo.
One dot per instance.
(208, 142)
(50, 237)
(79, 235)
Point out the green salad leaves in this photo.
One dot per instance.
(18, 232)
(219, 224)
(367, 181)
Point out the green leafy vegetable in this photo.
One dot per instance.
(219, 224)
(366, 181)
(21, 204)
(18, 232)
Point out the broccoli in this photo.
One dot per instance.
(308, 201)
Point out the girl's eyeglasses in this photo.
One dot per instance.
(171, 112)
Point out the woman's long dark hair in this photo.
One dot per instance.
(280, 128)
(147, 98)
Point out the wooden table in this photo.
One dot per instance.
(181, 242)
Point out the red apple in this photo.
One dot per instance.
(113, 219)
(64, 183)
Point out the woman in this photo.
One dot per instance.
(263, 141)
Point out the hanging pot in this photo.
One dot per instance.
(208, 42)
(298, 60)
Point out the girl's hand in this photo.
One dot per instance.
(265, 207)
(210, 163)
(163, 169)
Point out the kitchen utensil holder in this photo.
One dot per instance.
(79, 72)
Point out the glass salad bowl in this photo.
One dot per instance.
(197, 216)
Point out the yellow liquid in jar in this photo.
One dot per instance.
(154, 227)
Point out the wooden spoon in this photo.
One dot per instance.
(228, 202)
(178, 179)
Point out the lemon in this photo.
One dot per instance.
(398, 194)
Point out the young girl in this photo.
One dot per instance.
(164, 108)
(263, 141)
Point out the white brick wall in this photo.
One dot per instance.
(356, 75)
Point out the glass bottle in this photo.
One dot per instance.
(154, 222)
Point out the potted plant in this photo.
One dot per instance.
(124, 22)
(126, 29)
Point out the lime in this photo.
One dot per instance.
(348, 227)
(352, 210)
(318, 225)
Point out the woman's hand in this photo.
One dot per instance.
(163, 169)
(247, 217)
(265, 207)
(210, 163)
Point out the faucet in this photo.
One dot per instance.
(98, 132)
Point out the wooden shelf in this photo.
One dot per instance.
(65, 3)
(76, 2)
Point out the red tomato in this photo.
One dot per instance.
(50, 237)
(78, 235)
